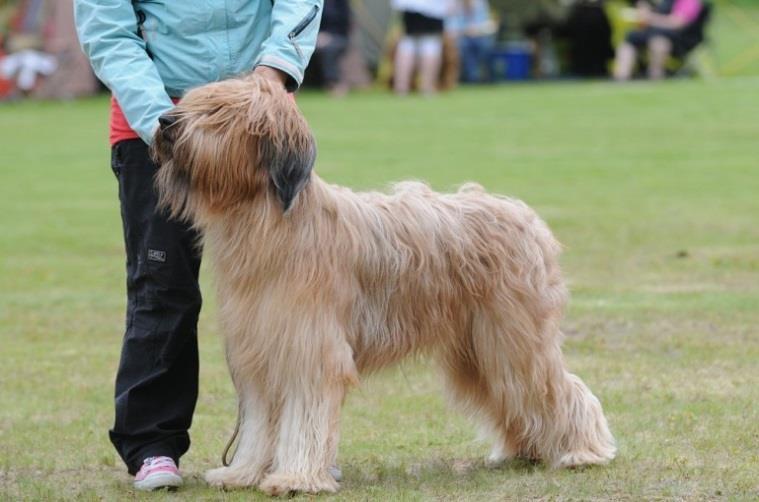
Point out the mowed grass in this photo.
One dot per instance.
(652, 188)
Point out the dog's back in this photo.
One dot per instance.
(454, 254)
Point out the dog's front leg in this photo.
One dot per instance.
(255, 446)
(308, 424)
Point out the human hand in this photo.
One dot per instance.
(271, 74)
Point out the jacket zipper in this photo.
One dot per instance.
(302, 26)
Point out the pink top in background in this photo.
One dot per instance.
(687, 10)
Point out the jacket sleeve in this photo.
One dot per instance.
(108, 33)
(292, 39)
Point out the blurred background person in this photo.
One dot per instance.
(670, 27)
(474, 29)
(332, 43)
(588, 34)
(422, 42)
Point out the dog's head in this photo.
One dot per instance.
(231, 142)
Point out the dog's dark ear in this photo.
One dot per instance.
(289, 167)
(285, 150)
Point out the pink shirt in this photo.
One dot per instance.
(687, 10)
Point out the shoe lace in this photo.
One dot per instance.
(155, 461)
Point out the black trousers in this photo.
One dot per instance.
(157, 379)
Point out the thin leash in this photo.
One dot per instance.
(225, 461)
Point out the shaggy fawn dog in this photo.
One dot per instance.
(318, 285)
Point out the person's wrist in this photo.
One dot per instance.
(272, 74)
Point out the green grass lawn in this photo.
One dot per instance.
(733, 39)
(653, 189)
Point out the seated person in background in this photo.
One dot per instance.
(332, 43)
(663, 31)
(474, 31)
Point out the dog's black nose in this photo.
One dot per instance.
(167, 120)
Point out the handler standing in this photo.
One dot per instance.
(149, 53)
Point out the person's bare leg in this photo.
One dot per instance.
(431, 52)
(659, 49)
(624, 64)
(405, 54)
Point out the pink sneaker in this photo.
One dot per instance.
(157, 472)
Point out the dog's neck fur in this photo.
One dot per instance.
(262, 219)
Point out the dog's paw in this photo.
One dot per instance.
(277, 484)
(228, 477)
(582, 458)
(219, 477)
(499, 455)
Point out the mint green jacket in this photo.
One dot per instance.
(148, 51)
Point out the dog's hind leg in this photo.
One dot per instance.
(255, 447)
(540, 410)
(469, 391)
(307, 437)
